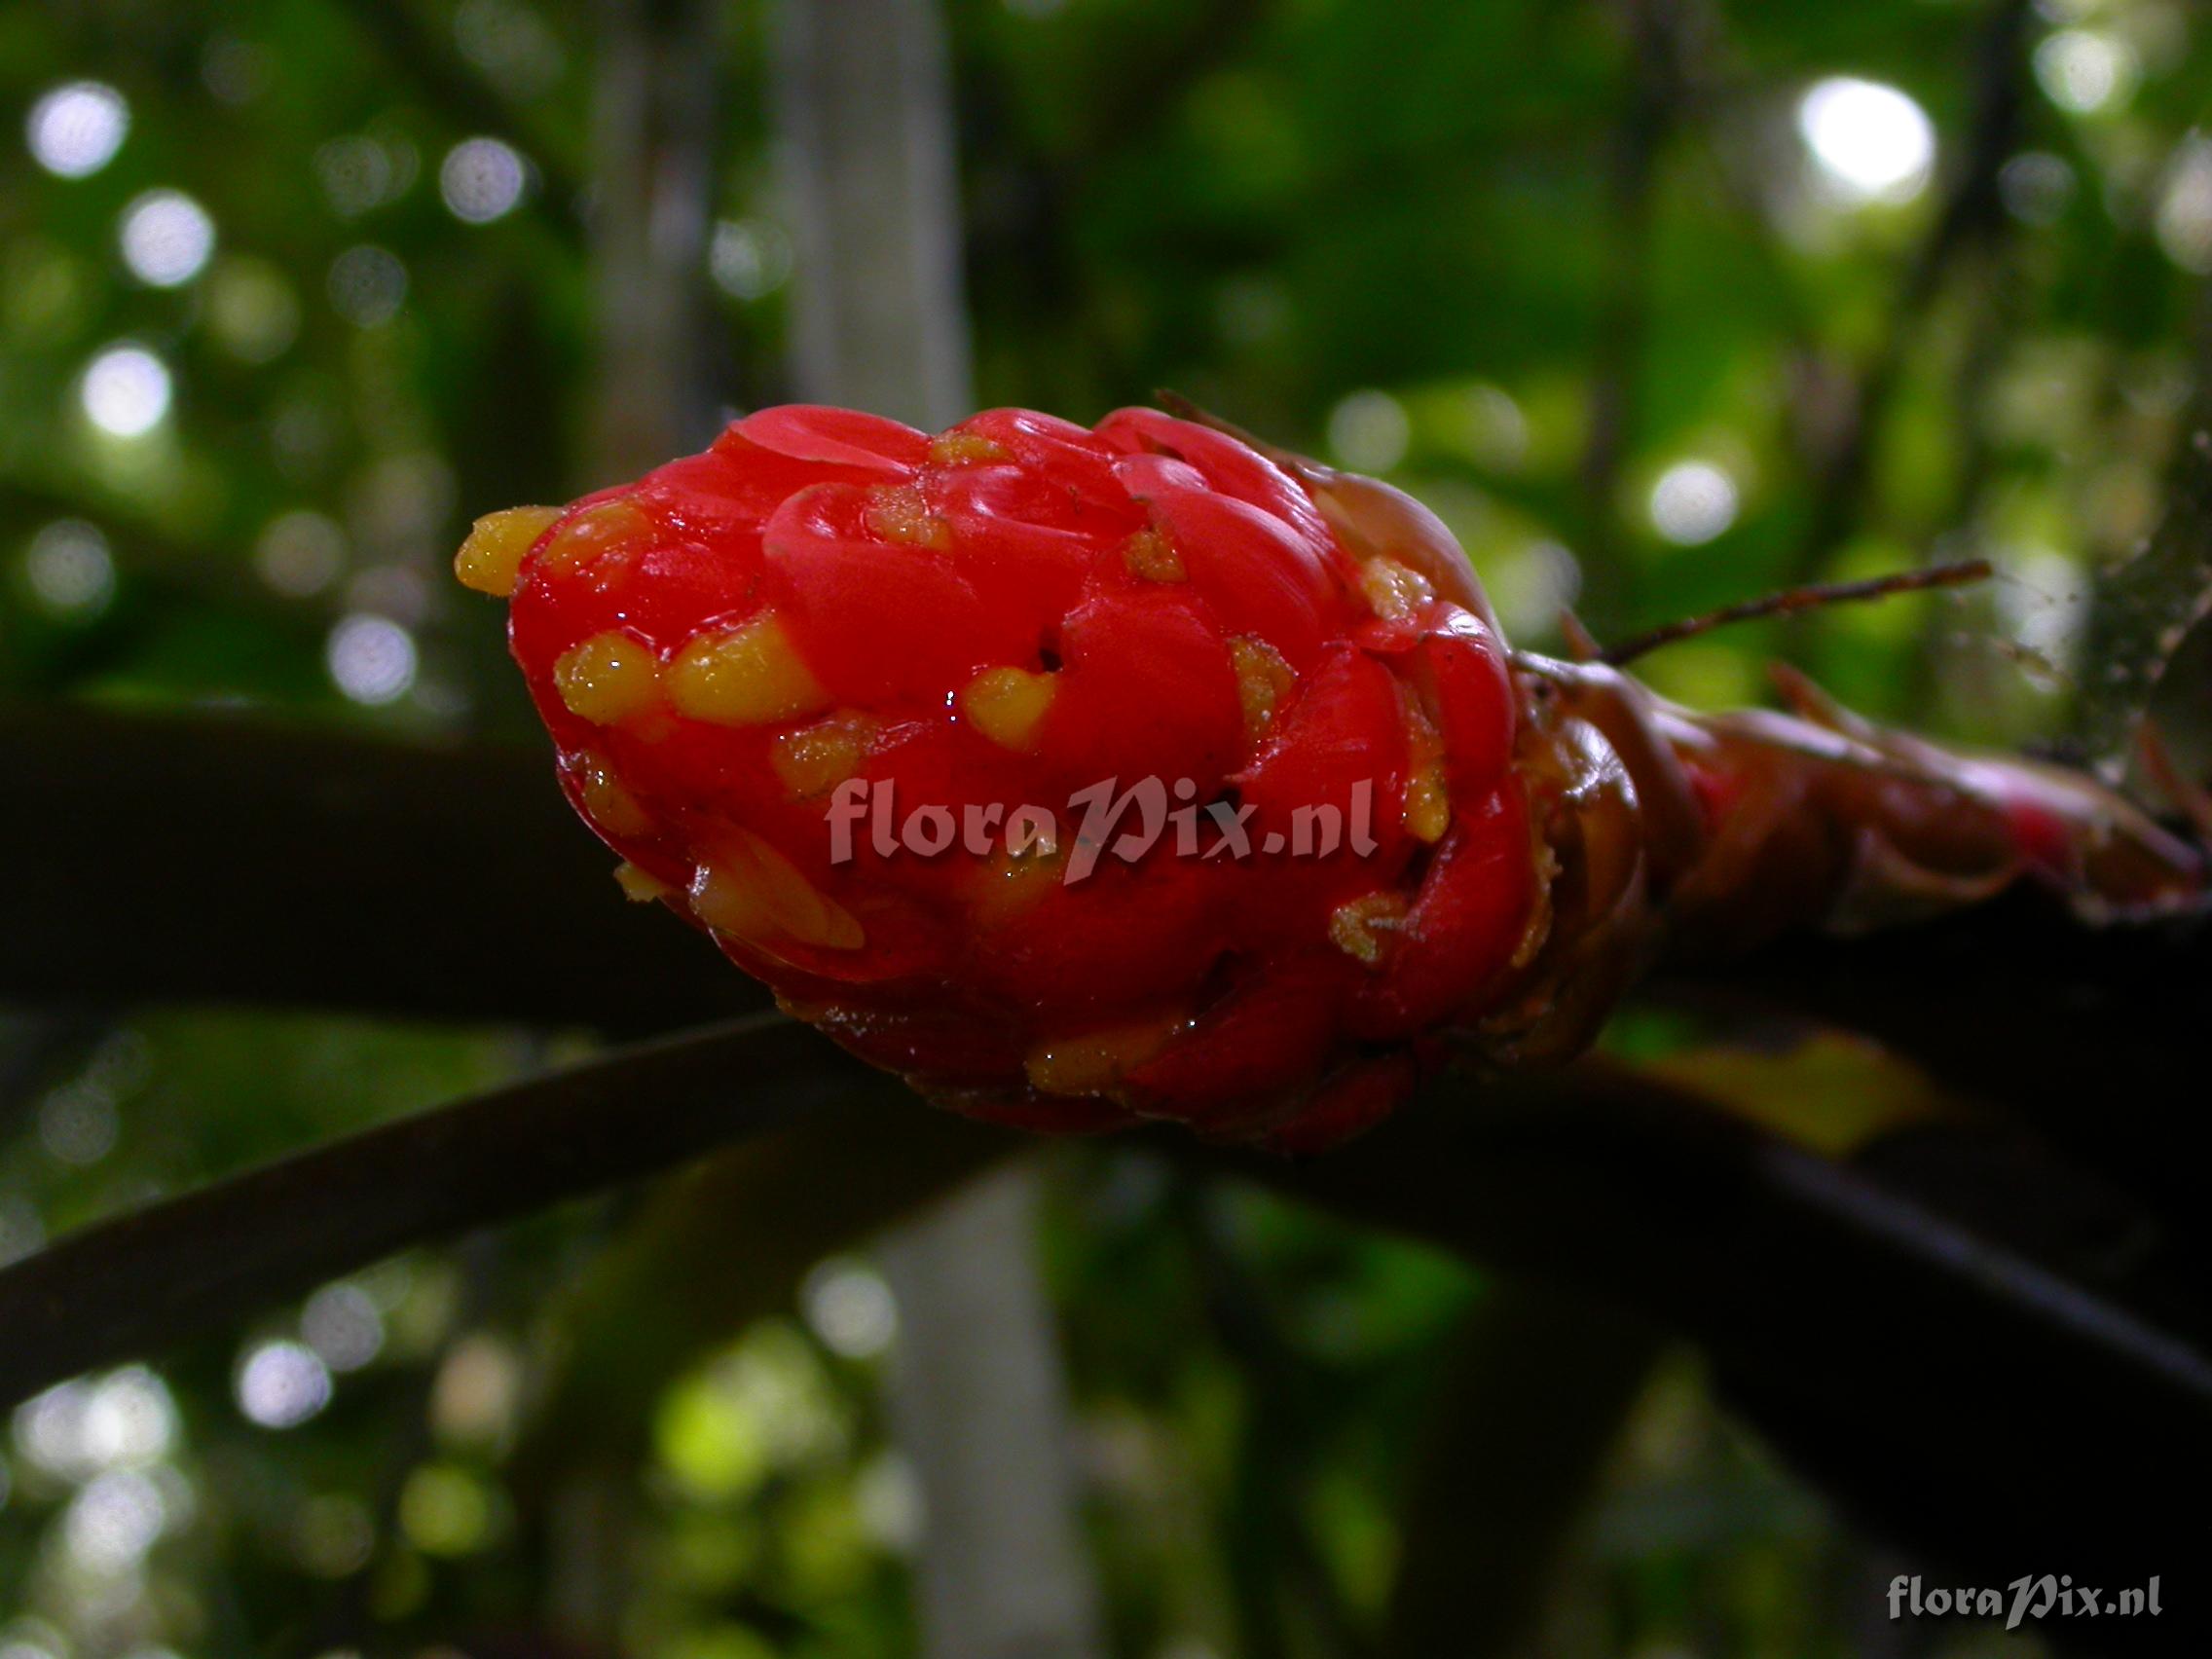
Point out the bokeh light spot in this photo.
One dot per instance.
(126, 391)
(334, 1537)
(70, 571)
(77, 1124)
(166, 238)
(1531, 584)
(1692, 502)
(477, 1391)
(748, 258)
(361, 171)
(2082, 71)
(368, 284)
(129, 1421)
(235, 71)
(1872, 142)
(510, 43)
(1368, 431)
(300, 553)
(114, 1521)
(371, 658)
(344, 1326)
(481, 180)
(75, 129)
(50, 1429)
(281, 1385)
(444, 1510)
(252, 309)
(850, 1307)
(2185, 208)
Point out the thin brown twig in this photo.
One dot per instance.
(1788, 602)
(2185, 793)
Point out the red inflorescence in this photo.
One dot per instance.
(829, 608)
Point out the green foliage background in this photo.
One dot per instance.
(1506, 252)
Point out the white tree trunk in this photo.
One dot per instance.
(977, 1396)
(652, 155)
(653, 148)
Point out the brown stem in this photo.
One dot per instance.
(1791, 601)
(180, 1268)
(1817, 1284)
(1533, 1399)
(203, 857)
(163, 858)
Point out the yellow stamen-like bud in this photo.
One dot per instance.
(1151, 555)
(1394, 590)
(1095, 1062)
(1008, 705)
(1361, 928)
(898, 513)
(639, 887)
(1262, 681)
(816, 758)
(490, 560)
(964, 449)
(611, 805)
(751, 890)
(608, 677)
(749, 675)
(1428, 812)
(1013, 882)
(1428, 805)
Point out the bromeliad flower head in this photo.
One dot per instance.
(762, 664)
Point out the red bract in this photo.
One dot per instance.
(1003, 616)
